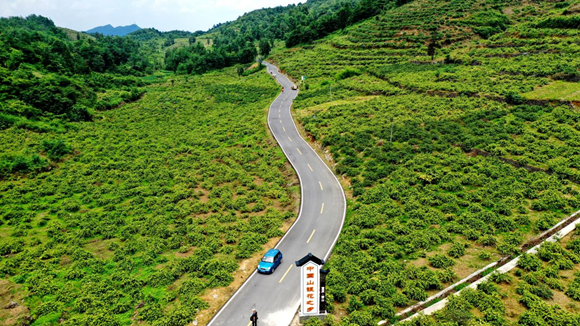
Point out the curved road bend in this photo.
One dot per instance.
(276, 297)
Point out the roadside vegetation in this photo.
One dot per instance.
(125, 197)
(148, 206)
(444, 129)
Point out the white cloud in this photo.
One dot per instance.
(13, 7)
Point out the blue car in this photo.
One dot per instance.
(270, 261)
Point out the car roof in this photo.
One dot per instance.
(271, 253)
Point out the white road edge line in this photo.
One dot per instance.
(299, 212)
(232, 297)
(302, 192)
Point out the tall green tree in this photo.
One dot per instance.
(265, 47)
(247, 53)
(343, 15)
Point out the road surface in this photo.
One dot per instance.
(322, 210)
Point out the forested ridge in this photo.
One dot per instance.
(51, 77)
(47, 74)
(235, 42)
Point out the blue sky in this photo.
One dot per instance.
(164, 15)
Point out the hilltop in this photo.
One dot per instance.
(114, 31)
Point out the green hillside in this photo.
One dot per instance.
(51, 73)
(484, 152)
(128, 193)
(154, 202)
(137, 174)
(542, 290)
(236, 42)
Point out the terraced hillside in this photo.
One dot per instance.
(454, 125)
(151, 209)
(542, 290)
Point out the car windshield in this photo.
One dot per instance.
(268, 259)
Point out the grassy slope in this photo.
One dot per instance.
(160, 202)
(558, 90)
(450, 179)
(73, 35)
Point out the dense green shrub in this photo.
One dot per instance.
(362, 318)
(440, 261)
(529, 262)
(17, 163)
(11, 246)
(560, 22)
(573, 290)
(457, 250)
(56, 149)
(346, 73)
(194, 286)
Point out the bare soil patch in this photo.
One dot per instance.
(12, 306)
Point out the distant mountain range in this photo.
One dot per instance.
(116, 31)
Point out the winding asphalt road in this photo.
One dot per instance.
(276, 297)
